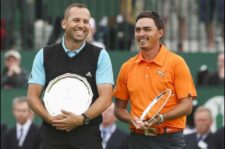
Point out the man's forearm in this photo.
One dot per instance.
(34, 101)
(123, 115)
(102, 102)
(37, 106)
(33, 96)
(183, 108)
(96, 109)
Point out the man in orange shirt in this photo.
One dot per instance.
(145, 76)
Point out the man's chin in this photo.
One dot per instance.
(144, 48)
(79, 39)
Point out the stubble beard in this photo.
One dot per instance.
(145, 48)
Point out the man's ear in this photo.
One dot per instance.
(63, 23)
(161, 33)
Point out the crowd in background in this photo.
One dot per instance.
(26, 25)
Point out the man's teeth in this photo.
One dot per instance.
(142, 40)
(79, 32)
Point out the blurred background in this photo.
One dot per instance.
(194, 30)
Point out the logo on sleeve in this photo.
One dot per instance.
(89, 74)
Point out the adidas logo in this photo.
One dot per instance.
(88, 74)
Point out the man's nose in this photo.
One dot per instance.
(141, 32)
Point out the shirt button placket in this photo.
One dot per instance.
(147, 72)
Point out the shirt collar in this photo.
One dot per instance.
(73, 51)
(159, 59)
(26, 126)
(203, 136)
(110, 128)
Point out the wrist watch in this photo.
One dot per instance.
(86, 119)
(161, 119)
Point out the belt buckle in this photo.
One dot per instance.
(150, 132)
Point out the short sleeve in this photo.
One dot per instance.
(37, 75)
(121, 90)
(184, 84)
(104, 73)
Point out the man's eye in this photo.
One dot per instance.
(86, 21)
(147, 29)
(75, 20)
(137, 30)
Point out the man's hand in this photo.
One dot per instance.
(144, 125)
(149, 124)
(57, 117)
(14, 69)
(138, 124)
(67, 121)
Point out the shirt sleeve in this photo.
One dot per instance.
(37, 75)
(184, 84)
(121, 90)
(104, 72)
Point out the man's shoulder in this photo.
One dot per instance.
(190, 136)
(171, 55)
(34, 126)
(11, 131)
(93, 46)
(220, 131)
(130, 62)
(52, 46)
(98, 44)
(51, 50)
(34, 130)
(174, 59)
(211, 135)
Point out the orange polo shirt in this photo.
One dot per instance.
(140, 81)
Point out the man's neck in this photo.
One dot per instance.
(72, 45)
(26, 124)
(150, 54)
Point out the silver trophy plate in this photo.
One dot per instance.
(69, 92)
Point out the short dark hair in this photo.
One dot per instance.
(153, 15)
(19, 99)
(71, 6)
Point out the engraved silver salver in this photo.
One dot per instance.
(69, 92)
